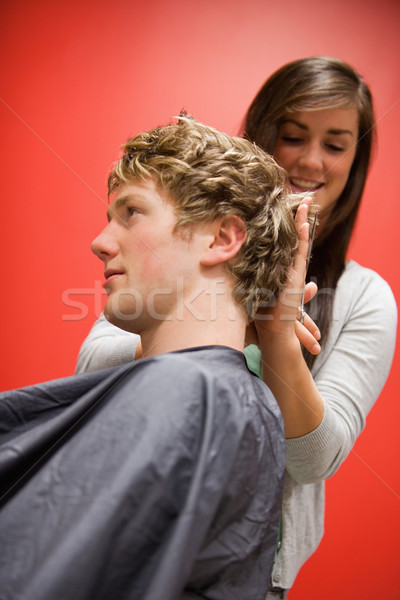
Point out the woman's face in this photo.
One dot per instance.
(317, 149)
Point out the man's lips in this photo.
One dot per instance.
(305, 185)
(111, 273)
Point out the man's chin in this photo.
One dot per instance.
(126, 322)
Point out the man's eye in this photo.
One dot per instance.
(131, 211)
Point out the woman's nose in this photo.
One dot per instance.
(311, 157)
(105, 245)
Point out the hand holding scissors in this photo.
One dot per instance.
(287, 316)
(310, 245)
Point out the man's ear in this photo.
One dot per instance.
(229, 233)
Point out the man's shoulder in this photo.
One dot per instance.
(206, 389)
(205, 375)
(203, 358)
(220, 364)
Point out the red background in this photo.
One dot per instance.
(77, 79)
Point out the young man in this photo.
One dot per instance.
(160, 479)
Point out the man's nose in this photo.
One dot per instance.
(105, 245)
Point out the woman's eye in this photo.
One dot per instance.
(289, 139)
(335, 148)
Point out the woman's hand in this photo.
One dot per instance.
(306, 331)
(284, 319)
(281, 333)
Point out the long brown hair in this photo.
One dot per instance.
(310, 84)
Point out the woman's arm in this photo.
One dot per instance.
(349, 373)
(280, 336)
(324, 414)
(107, 346)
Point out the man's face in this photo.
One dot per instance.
(147, 266)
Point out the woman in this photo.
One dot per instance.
(315, 115)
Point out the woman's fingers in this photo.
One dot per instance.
(303, 229)
(309, 324)
(286, 309)
(307, 332)
(300, 258)
(310, 290)
(302, 212)
(307, 337)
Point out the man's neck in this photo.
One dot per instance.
(170, 336)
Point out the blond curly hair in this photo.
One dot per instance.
(208, 174)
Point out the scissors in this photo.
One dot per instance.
(310, 245)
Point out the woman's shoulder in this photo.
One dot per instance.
(354, 270)
(363, 289)
(357, 279)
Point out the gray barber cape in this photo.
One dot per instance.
(157, 480)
